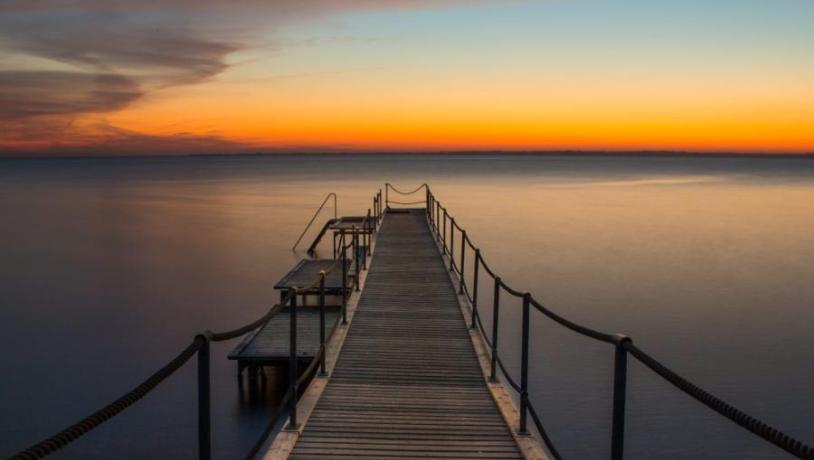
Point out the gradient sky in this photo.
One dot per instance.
(202, 76)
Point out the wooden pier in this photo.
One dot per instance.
(408, 382)
(398, 370)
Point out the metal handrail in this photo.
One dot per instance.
(332, 194)
(438, 215)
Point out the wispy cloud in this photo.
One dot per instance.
(102, 138)
(25, 94)
(106, 54)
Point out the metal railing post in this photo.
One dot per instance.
(367, 238)
(435, 217)
(344, 280)
(475, 290)
(452, 245)
(432, 214)
(463, 259)
(292, 361)
(356, 257)
(495, 320)
(322, 323)
(364, 237)
(430, 209)
(444, 238)
(437, 221)
(387, 195)
(619, 397)
(204, 402)
(524, 366)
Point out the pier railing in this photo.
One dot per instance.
(444, 226)
(316, 214)
(200, 346)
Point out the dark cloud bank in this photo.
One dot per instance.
(109, 53)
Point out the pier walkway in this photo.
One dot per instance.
(407, 383)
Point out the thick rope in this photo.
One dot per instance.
(75, 431)
(761, 429)
(234, 333)
(405, 202)
(578, 328)
(407, 193)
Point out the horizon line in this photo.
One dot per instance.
(289, 153)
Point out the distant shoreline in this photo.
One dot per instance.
(508, 153)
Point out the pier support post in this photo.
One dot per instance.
(437, 223)
(475, 290)
(204, 401)
(367, 237)
(344, 280)
(322, 372)
(463, 259)
(444, 238)
(619, 397)
(435, 217)
(495, 321)
(524, 367)
(356, 257)
(452, 245)
(292, 363)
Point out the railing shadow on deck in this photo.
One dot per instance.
(444, 227)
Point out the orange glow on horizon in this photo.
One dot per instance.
(458, 88)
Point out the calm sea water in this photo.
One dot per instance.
(109, 267)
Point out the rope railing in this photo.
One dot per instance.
(87, 424)
(200, 346)
(407, 203)
(720, 406)
(438, 216)
(388, 186)
(400, 192)
(578, 328)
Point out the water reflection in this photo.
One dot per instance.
(111, 266)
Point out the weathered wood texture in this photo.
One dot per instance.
(270, 343)
(407, 383)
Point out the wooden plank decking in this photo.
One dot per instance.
(269, 344)
(407, 383)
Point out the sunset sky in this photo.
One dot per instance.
(113, 77)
